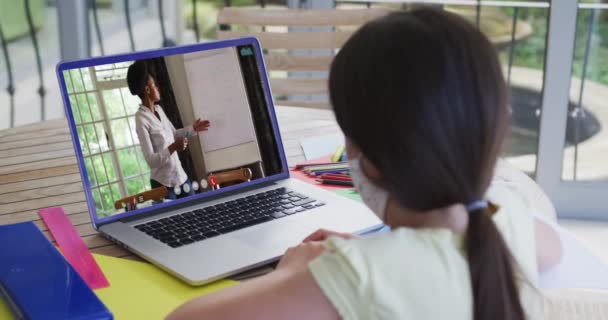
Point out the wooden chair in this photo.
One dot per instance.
(225, 178)
(277, 44)
(154, 194)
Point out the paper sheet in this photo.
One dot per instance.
(218, 94)
(349, 193)
(4, 311)
(320, 146)
(139, 290)
(579, 267)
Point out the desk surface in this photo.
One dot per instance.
(38, 169)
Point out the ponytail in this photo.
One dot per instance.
(493, 278)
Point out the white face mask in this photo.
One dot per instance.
(373, 196)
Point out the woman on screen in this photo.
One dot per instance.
(159, 139)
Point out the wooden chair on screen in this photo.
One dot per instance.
(277, 44)
(156, 194)
(229, 177)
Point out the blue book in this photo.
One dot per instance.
(38, 283)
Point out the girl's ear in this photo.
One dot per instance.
(353, 151)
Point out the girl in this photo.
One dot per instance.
(421, 99)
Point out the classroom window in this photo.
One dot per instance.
(104, 112)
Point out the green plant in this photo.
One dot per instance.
(13, 19)
(206, 14)
(530, 53)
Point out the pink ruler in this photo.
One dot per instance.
(73, 248)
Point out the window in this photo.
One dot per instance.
(585, 153)
(104, 111)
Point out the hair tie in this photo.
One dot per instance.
(477, 205)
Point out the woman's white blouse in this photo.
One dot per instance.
(155, 137)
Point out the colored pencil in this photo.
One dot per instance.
(326, 167)
(336, 177)
(336, 182)
(320, 172)
(341, 175)
(338, 154)
(304, 165)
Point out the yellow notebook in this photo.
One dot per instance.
(140, 290)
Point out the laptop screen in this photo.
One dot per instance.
(169, 126)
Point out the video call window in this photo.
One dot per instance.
(212, 100)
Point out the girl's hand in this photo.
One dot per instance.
(323, 234)
(300, 255)
(201, 125)
(290, 292)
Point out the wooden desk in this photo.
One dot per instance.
(38, 169)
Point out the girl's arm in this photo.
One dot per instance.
(548, 243)
(548, 246)
(290, 292)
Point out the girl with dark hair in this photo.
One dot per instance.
(421, 99)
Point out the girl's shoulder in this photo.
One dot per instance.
(404, 240)
(406, 249)
(404, 274)
(419, 273)
(514, 217)
(515, 221)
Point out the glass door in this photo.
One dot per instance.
(573, 143)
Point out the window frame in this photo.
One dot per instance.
(98, 87)
(572, 199)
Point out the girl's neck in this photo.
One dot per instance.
(454, 217)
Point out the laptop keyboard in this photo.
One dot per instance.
(200, 224)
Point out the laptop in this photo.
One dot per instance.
(222, 205)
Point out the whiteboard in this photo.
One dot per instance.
(218, 95)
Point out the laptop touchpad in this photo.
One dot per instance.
(274, 237)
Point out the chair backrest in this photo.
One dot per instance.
(221, 179)
(278, 46)
(154, 194)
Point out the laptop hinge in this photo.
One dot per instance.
(198, 202)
